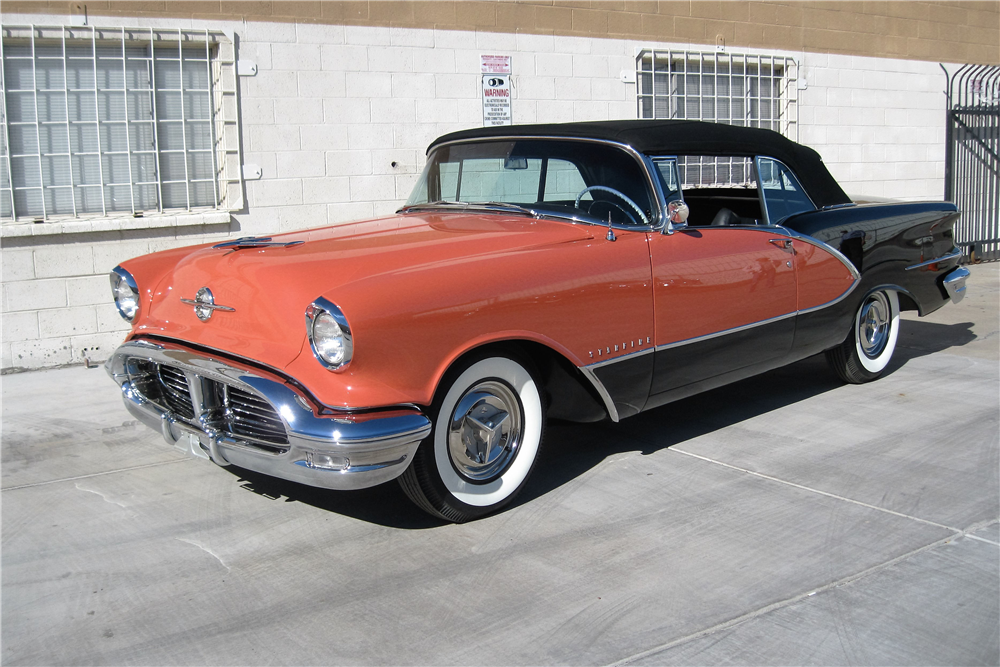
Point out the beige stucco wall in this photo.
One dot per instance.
(964, 32)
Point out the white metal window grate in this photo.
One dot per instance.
(735, 89)
(116, 121)
(700, 171)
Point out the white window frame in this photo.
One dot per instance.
(224, 122)
(662, 77)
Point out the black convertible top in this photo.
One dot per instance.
(684, 137)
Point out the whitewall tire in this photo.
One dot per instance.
(488, 423)
(866, 352)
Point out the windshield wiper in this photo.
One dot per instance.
(432, 205)
(507, 207)
(493, 206)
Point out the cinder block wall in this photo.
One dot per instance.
(878, 123)
(339, 117)
(339, 114)
(57, 306)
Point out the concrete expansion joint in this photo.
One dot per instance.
(956, 534)
(957, 531)
(96, 474)
(787, 602)
(975, 528)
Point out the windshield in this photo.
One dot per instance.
(578, 179)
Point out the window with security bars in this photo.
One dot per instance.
(105, 122)
(715, 172)
(743, 90)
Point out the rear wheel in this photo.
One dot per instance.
(488, 424)
(863, 356)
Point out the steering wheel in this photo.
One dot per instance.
(603, 188)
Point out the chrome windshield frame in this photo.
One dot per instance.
(658, 217)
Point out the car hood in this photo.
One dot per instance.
(269, 288)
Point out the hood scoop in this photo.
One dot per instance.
(255, 242)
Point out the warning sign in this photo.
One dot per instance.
(496, 100)
(494, 64)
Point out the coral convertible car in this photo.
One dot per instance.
(582, 272)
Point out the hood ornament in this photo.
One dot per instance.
(204, 304)
(255, 242)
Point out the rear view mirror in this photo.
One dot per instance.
(677, 215)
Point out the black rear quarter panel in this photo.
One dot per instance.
(882, 240)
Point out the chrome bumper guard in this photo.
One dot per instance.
(954, 283)
(343, 450)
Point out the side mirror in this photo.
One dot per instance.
(677, 215)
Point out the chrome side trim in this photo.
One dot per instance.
(717, 334)
(588, 370)
(954, 283)
(840, 298)
(726, 332)
(609, 404)
(954, 254)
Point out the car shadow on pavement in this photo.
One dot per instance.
(572, 449)
(384, 505)
(918, 338)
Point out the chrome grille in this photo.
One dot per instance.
(249, 416)
(236, 412)
(176, 393)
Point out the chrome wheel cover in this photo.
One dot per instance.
(485, 431)
(874, 324)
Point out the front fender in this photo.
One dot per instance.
(410, 326)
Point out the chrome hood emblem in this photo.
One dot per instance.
(255, 242)
(204, 304)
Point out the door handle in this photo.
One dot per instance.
(784, 244)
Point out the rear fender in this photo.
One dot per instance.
(908, 247)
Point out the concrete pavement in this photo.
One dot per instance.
(786, 519)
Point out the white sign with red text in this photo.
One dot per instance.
(494, 64)
(496, 100)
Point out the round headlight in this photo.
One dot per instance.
(328, 338)
(126, 293)
(329, 334)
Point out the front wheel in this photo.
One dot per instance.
(867, 350)
(487, 430)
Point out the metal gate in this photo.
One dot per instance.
(972, 158)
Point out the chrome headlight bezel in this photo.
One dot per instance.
(323, 312)
(122, 283)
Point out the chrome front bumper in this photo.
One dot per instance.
(324, 448)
